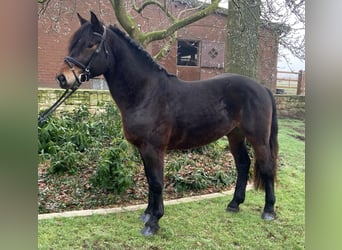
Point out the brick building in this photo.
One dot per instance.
(198, 53)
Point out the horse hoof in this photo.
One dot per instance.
(233, 209)
(268, 216)
(148, 231)
(145, 217)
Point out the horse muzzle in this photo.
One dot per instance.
(69, 77)
(61, 81)
(65, 81)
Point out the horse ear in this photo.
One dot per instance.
(97, 26)
(82, 20)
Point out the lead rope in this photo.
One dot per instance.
(66, 94)
(42, 117)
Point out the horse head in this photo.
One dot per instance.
(87, 54)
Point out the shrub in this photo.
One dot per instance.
(201, 179)
(193, 181)
(67, 138)
(66, 159)
(115, 169)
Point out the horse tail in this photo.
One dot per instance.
(274, 147)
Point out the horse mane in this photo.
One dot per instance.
(140, 50)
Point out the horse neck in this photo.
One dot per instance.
(131, 76)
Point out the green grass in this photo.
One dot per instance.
(203, 224)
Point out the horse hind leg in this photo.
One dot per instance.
(242, 162)
(264, 177)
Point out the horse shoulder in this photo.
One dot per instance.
(150, 120)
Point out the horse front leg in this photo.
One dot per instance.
(153, 160)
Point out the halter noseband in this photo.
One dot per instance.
(85, 75)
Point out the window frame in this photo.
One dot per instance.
(194, 60)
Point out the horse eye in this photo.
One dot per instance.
(91, 45)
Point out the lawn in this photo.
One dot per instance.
(202, 224)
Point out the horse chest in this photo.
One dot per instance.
(145, 126)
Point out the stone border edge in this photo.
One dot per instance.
(104, 211)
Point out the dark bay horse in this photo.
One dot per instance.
(161, 112)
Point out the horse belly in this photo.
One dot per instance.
(199, 134)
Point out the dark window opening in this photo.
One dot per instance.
(187, 53)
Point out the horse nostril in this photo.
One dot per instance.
(61, 79)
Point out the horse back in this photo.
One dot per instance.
(204, 111)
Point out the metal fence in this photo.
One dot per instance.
(290, 83)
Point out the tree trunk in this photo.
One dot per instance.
(242, 37)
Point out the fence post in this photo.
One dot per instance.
(300, 83)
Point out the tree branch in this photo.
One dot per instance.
(153, 2)
(166, 48)
(125, 19)
(161, 34)
(44, 5)
(191, 9)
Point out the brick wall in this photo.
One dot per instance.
(268, 58)
(287, 106)
(59, 21)
(55, 27)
